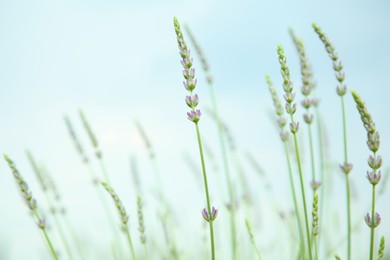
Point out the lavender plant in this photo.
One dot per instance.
(124, 218)
(341, 90)
(374, 162)
(221, 135)
(282, 121)
(192, 101)
(294, 126)
(32, 205)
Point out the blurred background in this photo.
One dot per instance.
(118, 61)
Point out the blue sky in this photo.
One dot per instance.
(118, 60)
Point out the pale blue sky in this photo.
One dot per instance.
(118, 60)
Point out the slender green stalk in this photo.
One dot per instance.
(124, 218)
(221, 143)
(206, 187)
(372, 233)
(252, 238)
(31, 203)
(302, 192)
(296, 208)
(341, 91)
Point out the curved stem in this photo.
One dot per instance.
(49, 243)
(372, 224)
(227, 172)
(347, 179)
(296, 208)
(302, 192)
(206, 190)
(130, 243)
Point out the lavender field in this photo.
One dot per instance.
(194, 130)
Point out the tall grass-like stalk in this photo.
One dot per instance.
(281, 120)
(209, 79)
(50, 204)
(167, 210)
(315, 222)
(32, 204)
(374, 162)
(194, 116)
(95, 145)
(294, 126)
(307, 102)
(341, 90)
(252, 238)
(141, 225)
(87, 163)
(123, 216)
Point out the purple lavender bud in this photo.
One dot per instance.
(374, 177)
(306, 89)
(42, 223)
(377, 220)
(308, 118)
(294, 126)
(306, 103)
(190, 84)
(32, 204)
(340, 76)
(187, 63)
(375, 163)
(205, 215)
(341, 90)
(184, 53)
(192, 101)
(282, 122)
(289, 97)
(338, 66)
(346, 167)
(210, 217)
(214, 214)
(291, 109)
(189, 73)
(194, 115)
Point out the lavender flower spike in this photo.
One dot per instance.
(188, 74)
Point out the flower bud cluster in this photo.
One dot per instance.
(315, 215)
(210, 217)
(282, 121)
(373, 140)
(289, 96)
(189, 83)
(118, 203)
(337, 64)
(376, 221)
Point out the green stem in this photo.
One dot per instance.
(206, 190)
(227, 172)
(372, 223)
(347, 179)
(302, 191)
(313, 167)
(315, 247)
(49, 243)
(296, 208)
(104, 170)
(130, 243)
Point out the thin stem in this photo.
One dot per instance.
(313, 167)
(347, 179)
(372, 223)
(130, 243)
(206, 190)
(104, 170)
(302, 191)
(296, 208)
(49, 243)
(315, 247)
(227, 172)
